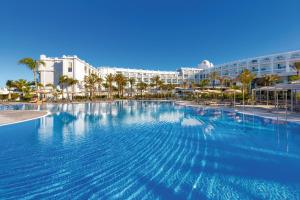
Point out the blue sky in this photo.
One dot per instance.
(152, 34)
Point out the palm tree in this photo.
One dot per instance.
(203, 83)
(222, 80)
(54, 91)
(131, 82)
(297, 76)
(72, 82)
(184, 84)
(63, 81)
(9, 84)
(297, 66)
(121, 81)
(22, 86)
(91, 83)
(269, 80)
(245, 78)
(156, 81)
(213, 76)
(99, 83)
(170, 87)
(33, 66)
(141, 86)
(109, 81)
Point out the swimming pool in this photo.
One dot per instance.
(148, 150)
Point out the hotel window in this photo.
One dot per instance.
(254, 69)
(266, 60)
(264, 68)
(280, 58)
(70, 67)
(254, 61)
(296, 55)
(280, 66)
(85, 69)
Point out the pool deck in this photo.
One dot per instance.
(15, 116)
(249, 110)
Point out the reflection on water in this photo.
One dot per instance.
(79, 119)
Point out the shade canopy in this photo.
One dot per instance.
(279, 87)
(233, 91)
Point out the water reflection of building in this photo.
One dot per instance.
(75, 120)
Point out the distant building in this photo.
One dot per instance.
(282, 64)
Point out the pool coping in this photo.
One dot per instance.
(29, 119)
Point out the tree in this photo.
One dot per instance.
(72, 82)
(99, 83)
(109, 81)
(184, 84)
(9, 84)
(141, 86)
(203, 83)
(156, 81)
(213, 76)
(223, 80)
(91, 83)
(22, 86)
(54, 91)
(170, 87)
(121, 81)
(245, 78)
(297, 66)
(33, 66)
(297, 76)
(63, 82)
(132, 83)
(269, 80)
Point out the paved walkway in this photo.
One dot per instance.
(14, 116)
(267, 113)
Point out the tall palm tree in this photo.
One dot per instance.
(222, 81)
(91, 83)
(54, 91)
(245, 78)
(72, 82)
(131, 82)
(270, 79)
(141, 86)
(99, 84)
(170, 87)
(33, 66)
(297, 76)
(9, 84)
(63, 81)
(156, 81)
(213, 76)
(184, 84)
(297, 66)
(121, 81)
(109, 81)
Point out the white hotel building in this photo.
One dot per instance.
(281, 64)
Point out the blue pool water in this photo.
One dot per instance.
(148, 150)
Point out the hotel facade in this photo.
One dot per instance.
(282, 64)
